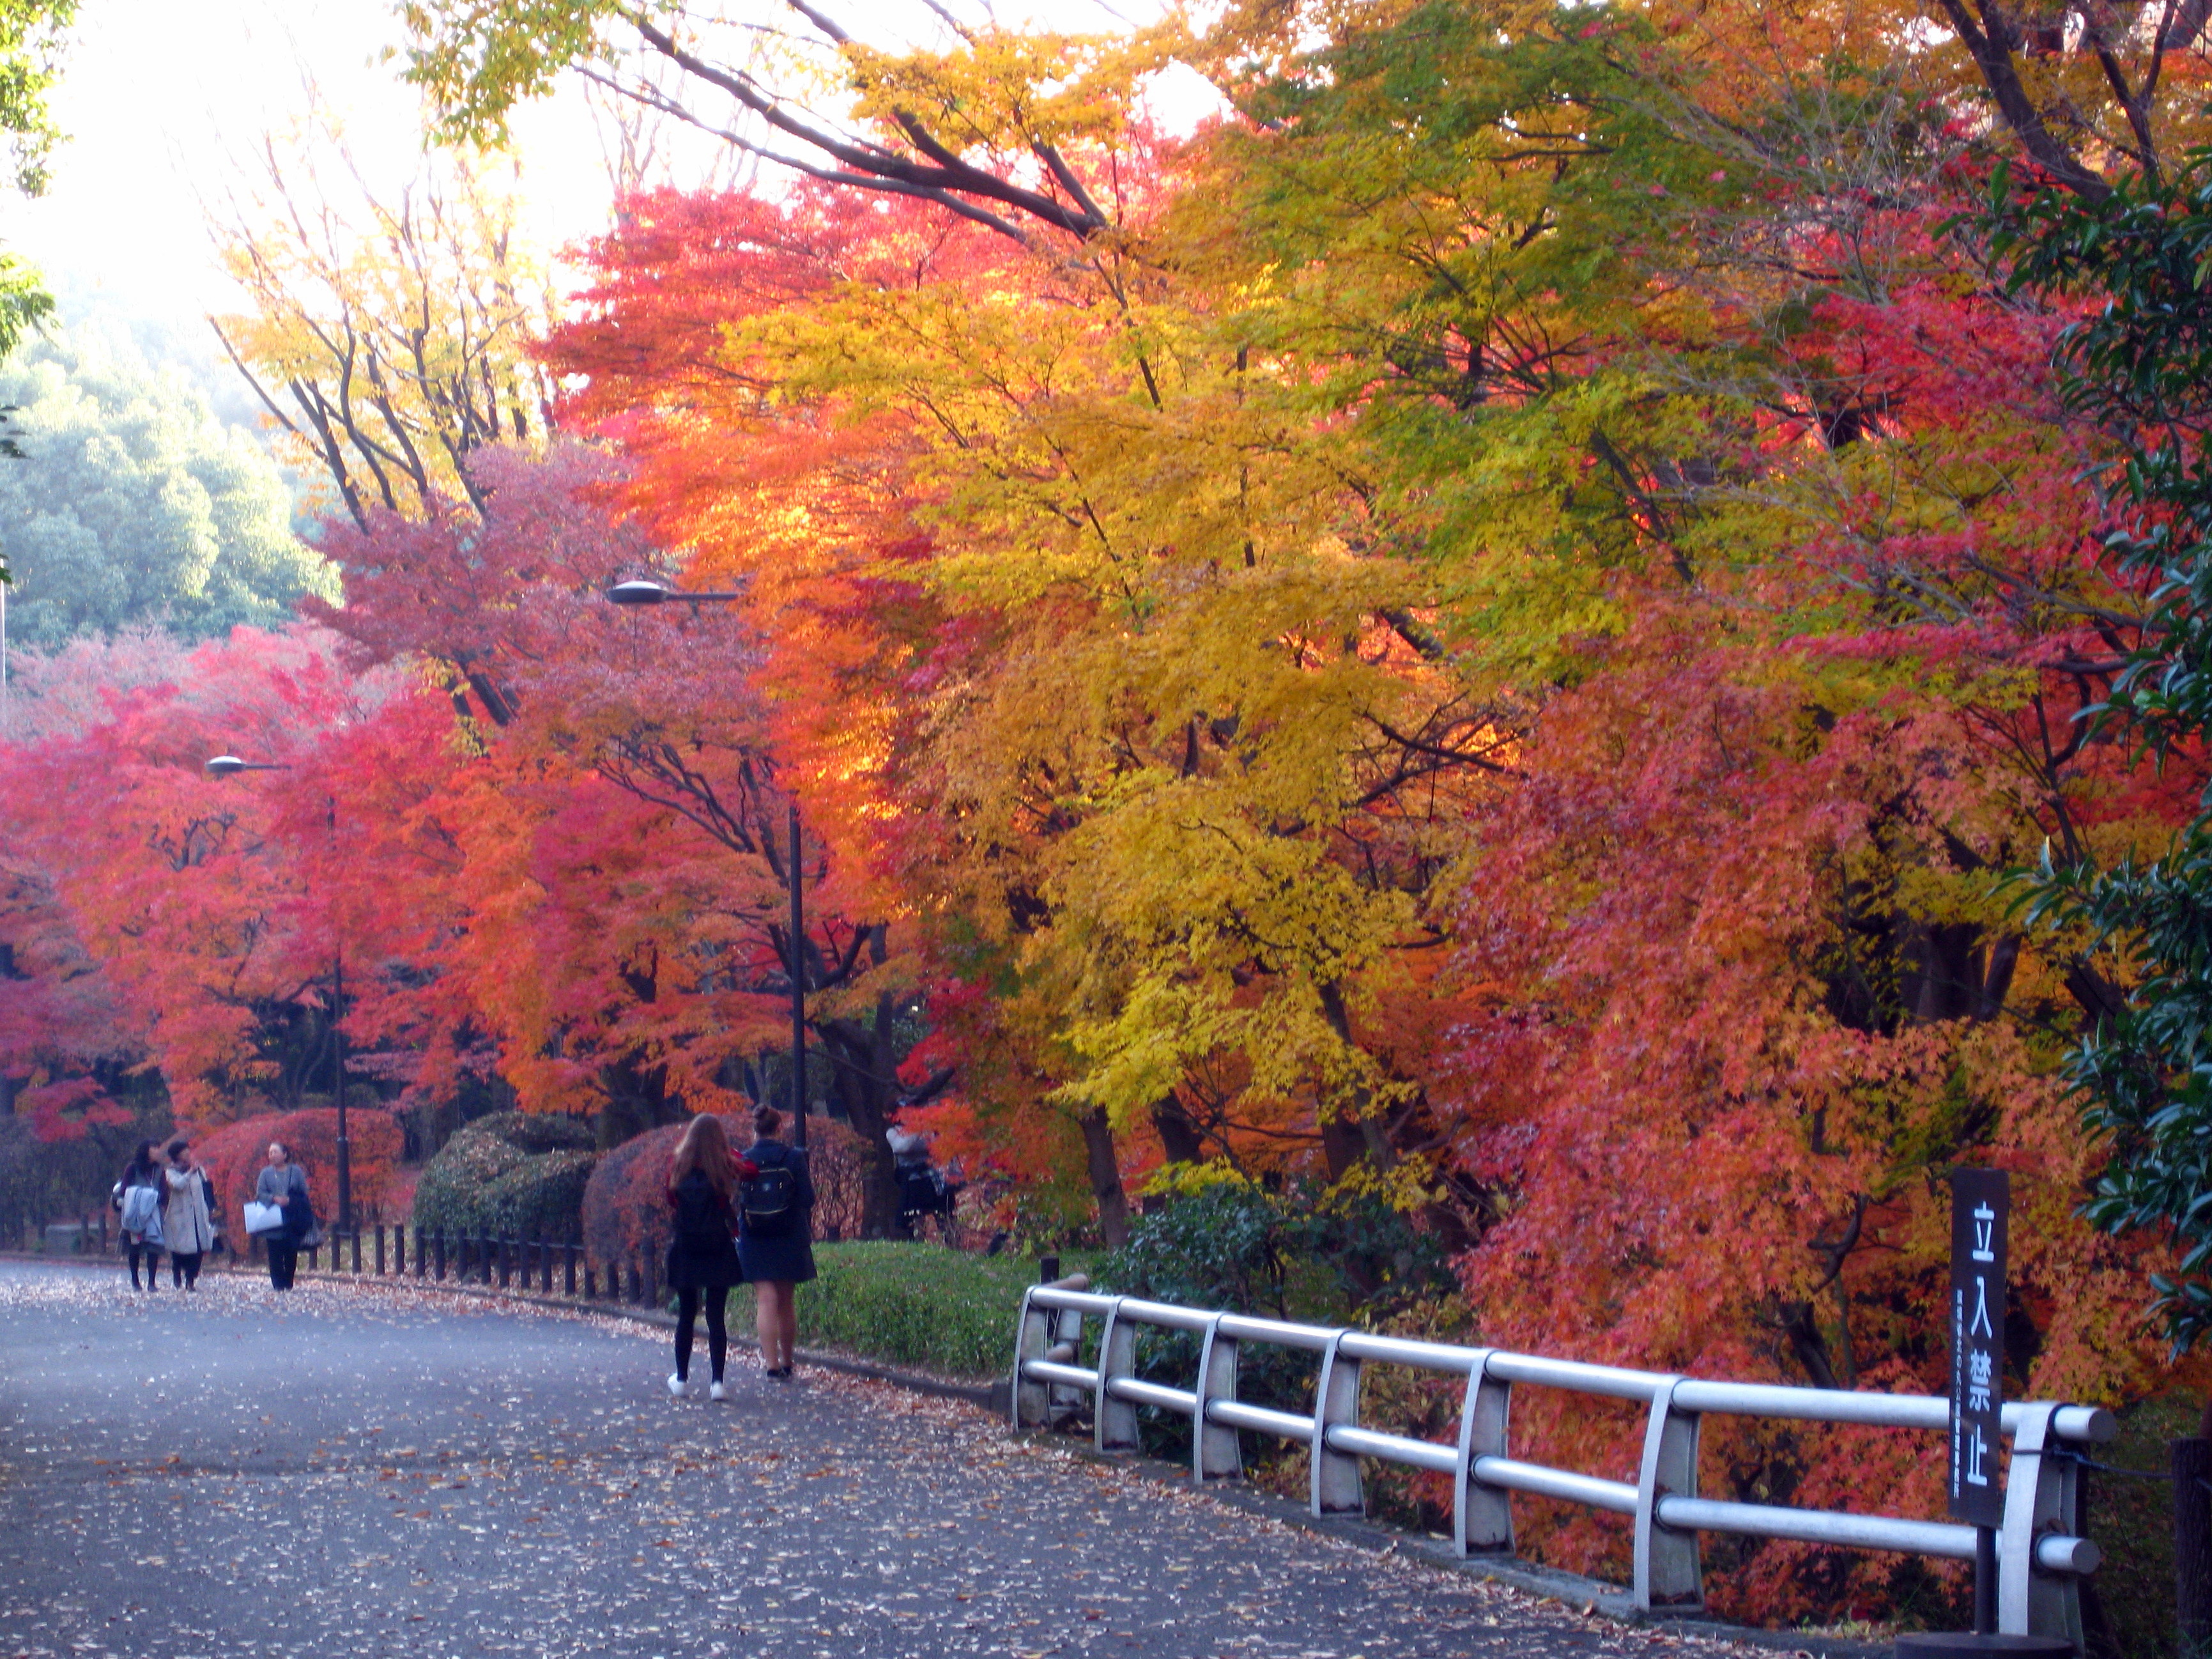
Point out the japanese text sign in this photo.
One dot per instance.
(1981, 1202)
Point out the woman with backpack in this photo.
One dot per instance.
(702, 1257)
(776, 1213)
(184, 1221)
(138, 1196)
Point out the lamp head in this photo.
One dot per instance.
(223, 766)
(637, 593)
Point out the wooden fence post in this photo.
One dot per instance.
(2192, 1543)
(440, 1238)
(568, 1269)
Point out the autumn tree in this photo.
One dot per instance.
(386, 336)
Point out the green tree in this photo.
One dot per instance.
(2141, 363)
(133, 503)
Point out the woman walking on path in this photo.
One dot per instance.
(702, 1258)
(776, 1213)
(184, 1220)
(138, 1196)
(284, 1184)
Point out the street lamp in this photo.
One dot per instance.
(642, 592)
(224, 766)
(648, 593)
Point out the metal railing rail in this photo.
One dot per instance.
(2041, 1555)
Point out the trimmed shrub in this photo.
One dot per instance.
(235, 1153)
(512, 1175)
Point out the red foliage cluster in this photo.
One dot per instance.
(235, 1153)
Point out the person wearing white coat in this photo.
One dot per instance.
(184, 1220)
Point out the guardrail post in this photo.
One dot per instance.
(1336, 1488)
(1667, 1568)
(1114, 1422)
(2042, 1495)
(1066, 1326)
(1213, 1450)
(1032, 1336)
(1482, 1516)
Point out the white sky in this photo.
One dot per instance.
(158, 97)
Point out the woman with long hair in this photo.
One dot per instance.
(138, 1197)
(775, 1234)
(702, 1257)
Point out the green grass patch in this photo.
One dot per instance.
(915, 1305)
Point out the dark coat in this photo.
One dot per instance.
(703, 1264)
(787, 1257)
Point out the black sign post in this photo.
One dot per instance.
(1981, 1205)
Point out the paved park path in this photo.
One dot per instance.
(361, 1471)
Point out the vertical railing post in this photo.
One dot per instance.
(1667, 1566)
(2191, 1462)
(2042, 1495)
(1032, 1336)
(1336, 1489)
(379, 1249)
(1213, 1450)
(439, 1239)
(356, 1248)
(1114, 1422)
(1482, 1515)
(544, 1267)
(569, 1268)
(505, 1261)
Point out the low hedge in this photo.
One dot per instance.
(509, 1175)
(917, 1304)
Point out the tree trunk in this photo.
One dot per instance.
(1105, 1166)
(867, 1079)
(1178, 1134)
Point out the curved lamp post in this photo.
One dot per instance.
(642, 592)
(650, 592)
(224, 766)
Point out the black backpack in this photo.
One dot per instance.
(769, 1201)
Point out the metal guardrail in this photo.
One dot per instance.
(2041, 1553)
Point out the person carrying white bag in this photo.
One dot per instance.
(281, 1186)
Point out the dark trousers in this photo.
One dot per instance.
(717, 1334)
(184, 1269)
(153, 1254)
(283, 1261)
